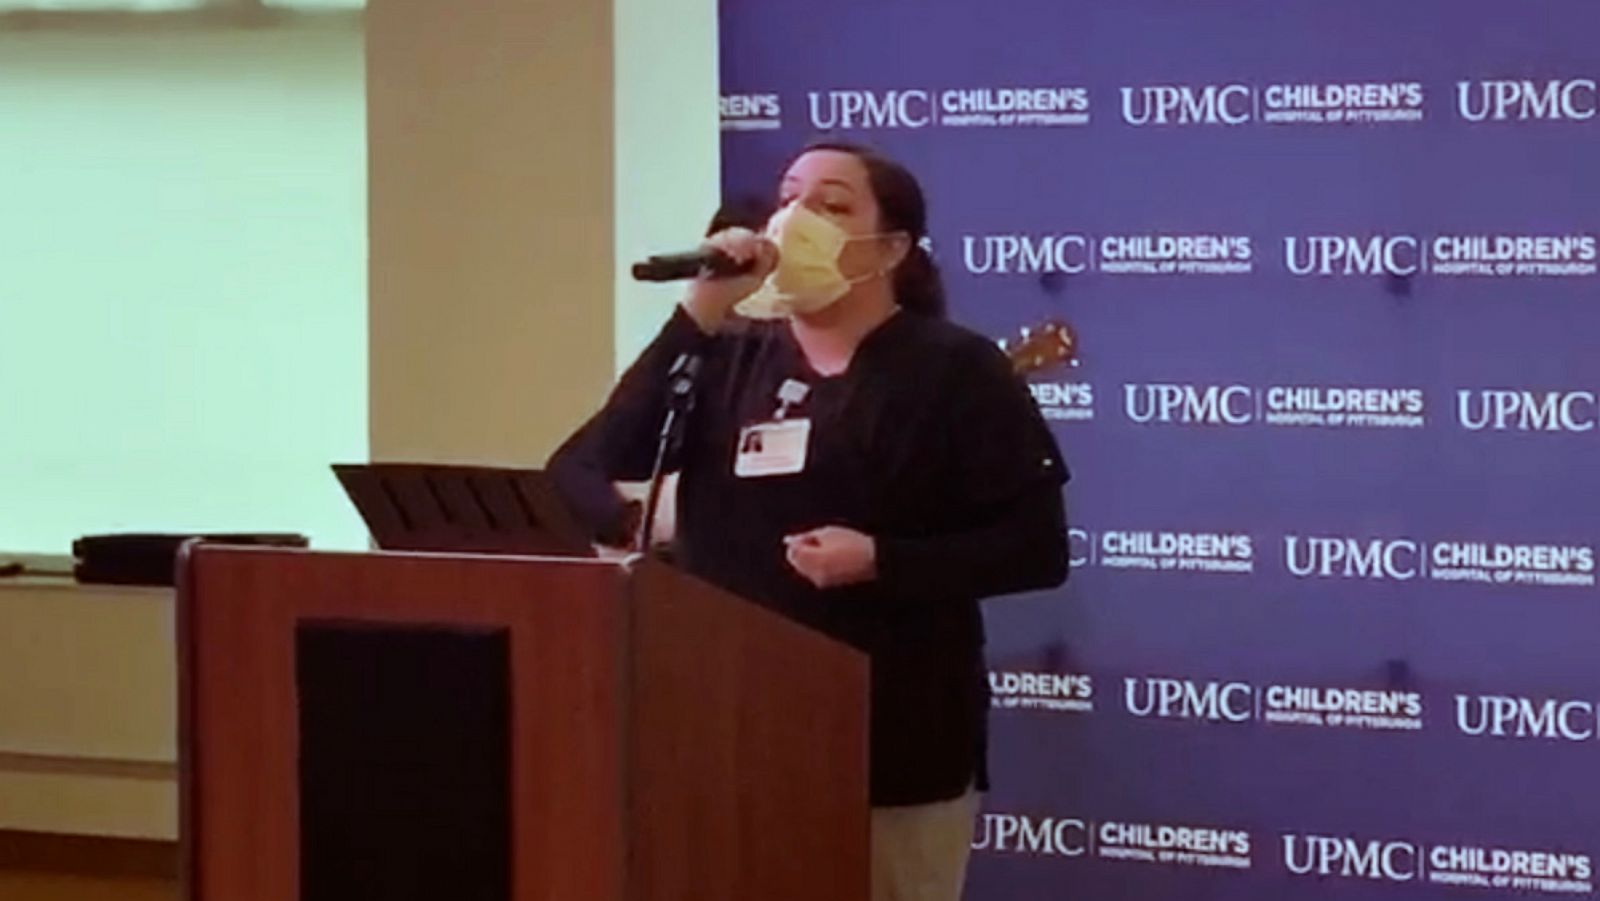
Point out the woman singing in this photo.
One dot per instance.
(862, 465)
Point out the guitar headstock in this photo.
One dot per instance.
(1041, 346)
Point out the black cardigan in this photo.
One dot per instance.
(929, 444)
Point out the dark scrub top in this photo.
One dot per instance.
(930, 444)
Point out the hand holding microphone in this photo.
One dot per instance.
(719, 286)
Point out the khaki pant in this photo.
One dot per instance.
(919, 853)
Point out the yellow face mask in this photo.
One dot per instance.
(807, 278)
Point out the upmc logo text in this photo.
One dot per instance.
(1167, 104)
(871, 109)
(1043, 836)
(1403, 559)
(1295, 406)
(1324, 255)
(1505, 716)
(1350, 858)
(1071, 253)
(956, 107)
(1068, 254)
(1162, 698)
(1234, 103)
(1165, 844)
(1400, 861)
(1190, 404)
(1399, 559)
(1508, 410)
(1495, 255)
(1526, 100)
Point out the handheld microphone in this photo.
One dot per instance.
(671, 267)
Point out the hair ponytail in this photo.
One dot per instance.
(918, 287)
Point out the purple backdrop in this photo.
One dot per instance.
(1334, 429)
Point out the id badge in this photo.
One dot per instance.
(772, 448)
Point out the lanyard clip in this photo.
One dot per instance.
(790, 394)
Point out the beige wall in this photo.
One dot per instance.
(490, 126)
(88, 710)
(494, 140)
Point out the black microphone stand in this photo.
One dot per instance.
(680, 401)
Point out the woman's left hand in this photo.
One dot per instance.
(833, 556)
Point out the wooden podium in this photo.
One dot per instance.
(375, 727)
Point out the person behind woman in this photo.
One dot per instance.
(903, 473)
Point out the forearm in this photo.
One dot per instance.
(580, 476)
(628, 427)
(1024, 548)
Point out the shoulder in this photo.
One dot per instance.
(957, 352)
(941, 338)
(739, 342)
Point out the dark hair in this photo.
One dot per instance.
(742, 211)
(901, 208)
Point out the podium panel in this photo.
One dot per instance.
(392, 726)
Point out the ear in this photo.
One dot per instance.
(896, 247)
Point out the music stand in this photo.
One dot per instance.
(463, 509)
